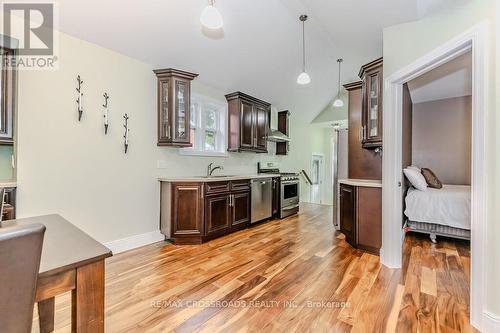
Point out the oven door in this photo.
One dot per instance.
(289, 197)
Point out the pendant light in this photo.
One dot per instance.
(338, 102)
(210, 17)
(303, 78)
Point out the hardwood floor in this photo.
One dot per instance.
(292, 275)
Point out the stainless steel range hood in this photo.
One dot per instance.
(277, 136)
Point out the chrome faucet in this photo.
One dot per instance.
(210, 170)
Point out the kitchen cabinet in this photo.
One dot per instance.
(361, 216)
(347, 213)
(362, 163)
(218, 214)
(7, 101)
(195, 212)
(371, 76)
(276, 197)
(282, 148)
(248, 123)
(187, 212)
(174, 105)
(240, 203)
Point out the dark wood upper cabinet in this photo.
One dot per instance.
(347, 213)
(7, 99)
(174, 105)
(248, 123)
(282, 148)
(371, 75)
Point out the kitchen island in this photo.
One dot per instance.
(196, 209)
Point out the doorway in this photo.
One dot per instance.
(473, 40)
(317, 178)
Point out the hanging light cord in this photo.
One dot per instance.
(340, 62)
(303, 47)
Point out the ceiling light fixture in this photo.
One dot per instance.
(303, 78)
(211, 17)
(338, 102)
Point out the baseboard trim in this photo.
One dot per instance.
(491, 322)
(133, 242)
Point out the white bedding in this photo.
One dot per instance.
(447, 206)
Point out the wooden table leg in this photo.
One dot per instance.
(46, 315)
(87, 300)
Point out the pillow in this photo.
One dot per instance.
(414, 167)
(431, 179)
(415, 178)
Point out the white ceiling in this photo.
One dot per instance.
(260, 50)
(452, 79)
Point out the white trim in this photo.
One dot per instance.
(133, 242)
(392, 234)
(491, 322)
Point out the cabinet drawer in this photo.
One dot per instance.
(217, 187)
(240, 185)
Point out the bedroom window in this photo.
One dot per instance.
(208, 127)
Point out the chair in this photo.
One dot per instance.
(20, 252)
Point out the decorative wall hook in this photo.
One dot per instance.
(106, 119)
(127, 130)
(79, 100)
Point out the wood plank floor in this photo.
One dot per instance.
(292, 275)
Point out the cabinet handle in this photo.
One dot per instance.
(202, 190)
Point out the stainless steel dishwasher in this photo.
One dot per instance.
(262, 199)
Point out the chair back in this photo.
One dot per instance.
(20, 252)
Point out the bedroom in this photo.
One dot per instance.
(437, 150)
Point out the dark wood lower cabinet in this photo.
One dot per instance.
(347, 213)
(187, 213)
(241, 210)
(192, 213)
(217, 215)
(361, 216)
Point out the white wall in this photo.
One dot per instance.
(72, 168)
(441, 138)
(405, 43)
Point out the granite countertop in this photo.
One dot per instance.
(8, 184)
(216, 178)
(361, 182)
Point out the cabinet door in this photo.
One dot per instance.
(347, 213)
(187, 212)
(181, 112)
(276, 196)
(369, 217)
(247, 125)
(261, 117)
(372, 108)
(217, 214)
(241, 209)
(164, 121)
(6, 105)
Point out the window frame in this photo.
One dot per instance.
(197, 139)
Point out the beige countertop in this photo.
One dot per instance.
(361, 182)
(216, 178)
(8, 184)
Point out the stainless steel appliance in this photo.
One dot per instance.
(289, 188)
(262, 199)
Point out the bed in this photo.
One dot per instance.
(444, 211)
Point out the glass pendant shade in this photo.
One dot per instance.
(338, 103)
(211, 18)
(303, 78)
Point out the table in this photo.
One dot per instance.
(71, 261)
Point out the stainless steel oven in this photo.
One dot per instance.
(289, 195)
